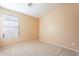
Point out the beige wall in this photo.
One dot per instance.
(28, 27)
(60, 26)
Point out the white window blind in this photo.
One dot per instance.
(10, 26)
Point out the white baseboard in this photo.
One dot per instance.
(60, 46)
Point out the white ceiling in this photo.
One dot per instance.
(36, 9)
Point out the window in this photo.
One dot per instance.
(10, 26)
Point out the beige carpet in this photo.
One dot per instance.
(36, 48)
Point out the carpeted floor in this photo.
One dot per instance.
(36, 48)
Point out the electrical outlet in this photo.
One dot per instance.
(73, 43)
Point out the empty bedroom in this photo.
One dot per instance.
(39, 29)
